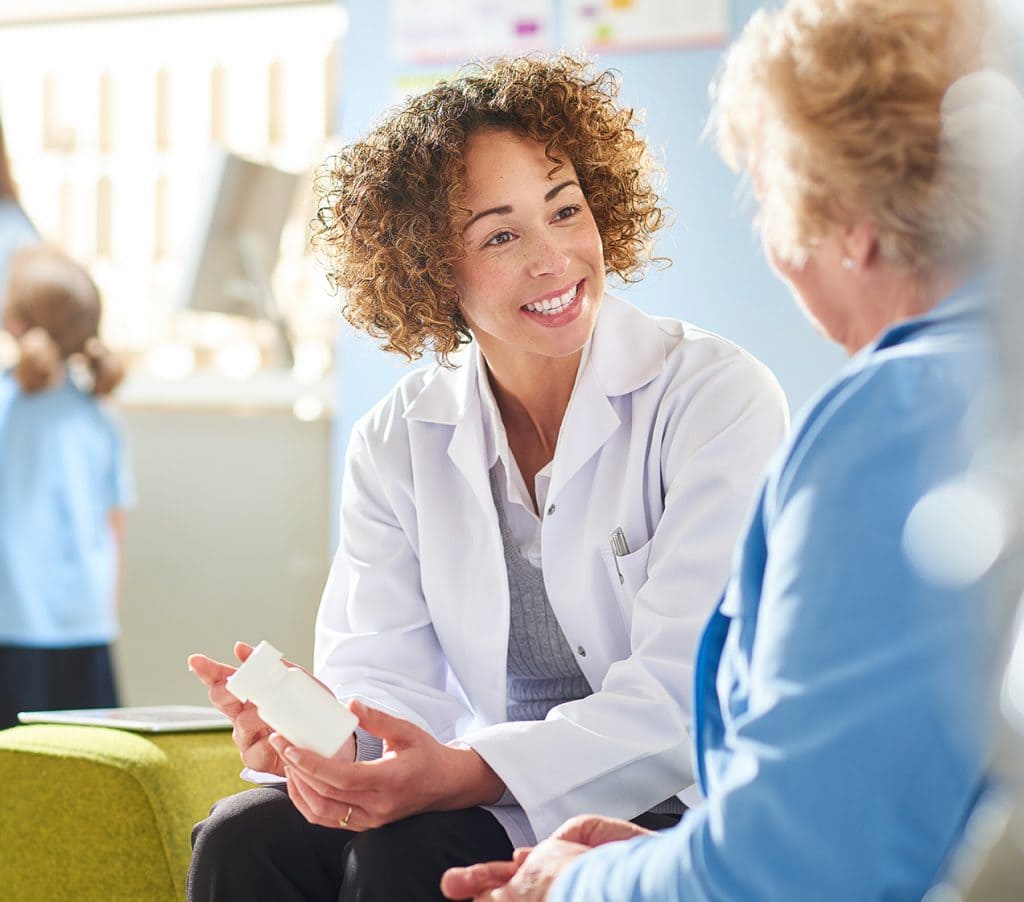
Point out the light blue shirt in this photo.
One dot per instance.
(62, 473)
(840, 699)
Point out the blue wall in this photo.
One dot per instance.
(719, 278)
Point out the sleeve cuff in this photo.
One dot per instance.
(368, 746)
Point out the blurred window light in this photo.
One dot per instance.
(238, 360)
(956, 532)
(312, 360)
(1013, 686)
(109, 108)
(8, 350)
(308, 408)
(170, 360)
(983, 117)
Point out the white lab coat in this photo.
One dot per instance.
(665, 436)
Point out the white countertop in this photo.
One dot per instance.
(268, 390)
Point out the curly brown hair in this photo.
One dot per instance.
(389, 206)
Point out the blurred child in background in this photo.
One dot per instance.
(64, 482)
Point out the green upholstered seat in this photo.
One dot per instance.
(90, 813)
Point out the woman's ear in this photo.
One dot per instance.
(860, 245)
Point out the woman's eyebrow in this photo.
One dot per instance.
(554, 191)
(501, 211)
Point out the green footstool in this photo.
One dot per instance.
(91, 813)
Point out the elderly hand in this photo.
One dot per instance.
(250, 733)
(527, 877)
(532, 871)
(416, 773)
(596, 830)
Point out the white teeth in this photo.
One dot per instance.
(551, 306)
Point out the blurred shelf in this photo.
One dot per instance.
(269, 390)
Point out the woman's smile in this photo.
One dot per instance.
(558, 308)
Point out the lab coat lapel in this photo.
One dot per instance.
(607, 373)
(589, 423)
(476, 594)
(450, 398)
(466, 450)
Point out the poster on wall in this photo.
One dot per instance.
(611, 25)
(439, 32)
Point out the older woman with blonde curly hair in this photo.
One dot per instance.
(843, 682)
(532, 531)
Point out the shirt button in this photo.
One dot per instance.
(551, 510)
(581, 651)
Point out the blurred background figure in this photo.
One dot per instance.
(16, 229)
(989, 867)
(64, 482)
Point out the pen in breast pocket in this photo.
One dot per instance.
(619, 549)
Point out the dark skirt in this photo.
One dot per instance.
(50, 679)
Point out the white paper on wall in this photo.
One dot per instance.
(453, 31)
(645, 24)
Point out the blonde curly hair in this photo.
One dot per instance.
(389, 206)
(836, 108)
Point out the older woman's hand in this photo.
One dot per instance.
(527, 877)
(416, 773)
(596, 830)
(532, 871)
(250, 733)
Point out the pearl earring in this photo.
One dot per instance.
(848, 263)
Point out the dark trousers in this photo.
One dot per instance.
(257, 846)
(50, 679)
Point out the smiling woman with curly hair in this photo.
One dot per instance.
(392, 205)
(531, 530)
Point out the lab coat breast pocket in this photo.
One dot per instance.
(627, 575)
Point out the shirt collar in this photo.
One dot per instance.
(495, 439)
(970, 299)
(621, 325)
(448, 393)
(496, 445)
